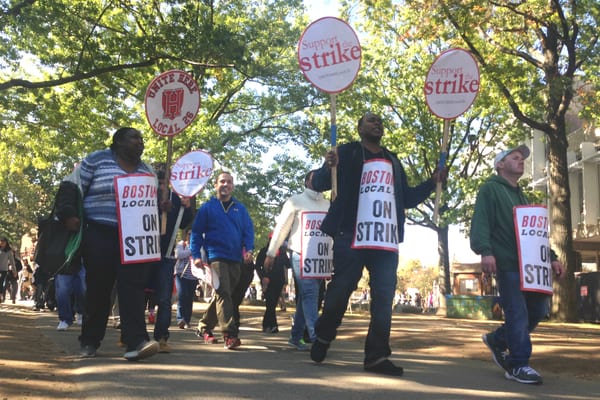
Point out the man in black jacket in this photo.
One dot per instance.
(366, 221)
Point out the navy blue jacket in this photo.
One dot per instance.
(341, 216)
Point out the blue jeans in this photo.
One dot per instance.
(163, 293)
(348, 264)
(185, 298)
(306, 303)
(70, 295)
(522, 313)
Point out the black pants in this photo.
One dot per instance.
(271, 299)
(102, 260)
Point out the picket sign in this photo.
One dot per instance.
(172, 102)
(329, 55)
(451, 86)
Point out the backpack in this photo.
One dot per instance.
(57, 249)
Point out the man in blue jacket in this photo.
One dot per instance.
(366, 221)
(224, 230)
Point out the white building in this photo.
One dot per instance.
(583, 158)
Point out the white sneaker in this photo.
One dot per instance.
(79, 319)
(146, 349)
(62, 326)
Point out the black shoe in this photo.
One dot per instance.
(499, 356)
(87, 351)
(318, 350)
(271, 329)
(524, 375)
(386, 367)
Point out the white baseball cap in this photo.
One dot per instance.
(524, 150)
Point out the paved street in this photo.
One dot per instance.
(265, 367)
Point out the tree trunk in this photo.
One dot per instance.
(561, 236)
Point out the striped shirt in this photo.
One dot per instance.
(97, 174)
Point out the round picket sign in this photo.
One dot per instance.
(172, 102)
(329, 54)
(191, 172)
(452, 83)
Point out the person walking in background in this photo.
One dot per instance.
(273, 278)
(493, 237)
(25, 278)
(372, 191)
(223, 229)
(289, 225)
(12, 280)
(69, 280)
(178, 214)
(8, 268)
(101, 246)
(185, 281)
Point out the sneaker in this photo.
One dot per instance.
(499, 356)
(62, 326)
(181, 324)
(207, 336)
(318, 350)
(298, 344)
(232, 342)
(146, 349)
(164, 346)
(271, 329)
(87, 351)
(385, 367)
(524, 375)
(79, 319)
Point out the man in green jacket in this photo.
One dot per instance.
(493, 237)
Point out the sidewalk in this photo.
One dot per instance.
(442, 359)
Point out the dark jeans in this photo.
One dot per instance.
(185, 298)
(348, 266)
(163, 296)
(70, 295)
(102, 260)
(522, 313)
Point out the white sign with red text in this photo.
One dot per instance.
(137, 211)
(533, 243)
(376, 217)
(316, 254)
(452, 83)
(172, 102)
(191, 172)
(329, 54)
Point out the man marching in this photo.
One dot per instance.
(493, 236)
(299, 220)
(366, 221)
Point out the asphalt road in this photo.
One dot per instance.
(264, 367)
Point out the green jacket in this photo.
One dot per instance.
(492, 225)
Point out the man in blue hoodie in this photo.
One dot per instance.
(223, 230)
